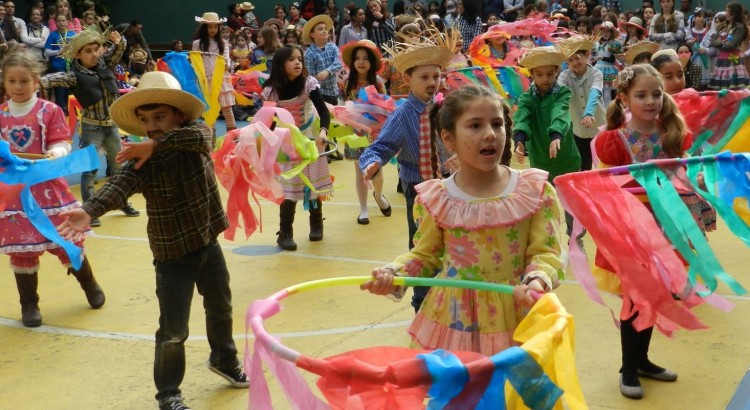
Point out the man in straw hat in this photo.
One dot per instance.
(94, 85)
(542, 124)
(406, 131)
(585, 82)
(173, 170)
(250, 19)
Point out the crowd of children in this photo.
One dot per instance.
(469, 214)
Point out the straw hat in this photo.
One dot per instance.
(406, 33)
(89, 35)
(347, 53)
(665, 52)
(210, 17)
(572, 45)
(436, 48)
(643, 46)
(155, 87)
(542, 56)
(633, 22)
(310, 25)
(274, 22)
(247, 6)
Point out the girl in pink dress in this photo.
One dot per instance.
(35, 126)
(292, 88)
(209, 42)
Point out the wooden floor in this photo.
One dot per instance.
(102, 359)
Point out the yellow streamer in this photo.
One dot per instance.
(211, 94)
(741, 141)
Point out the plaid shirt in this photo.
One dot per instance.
(468, 30)
(320, 59)
(182, 197)
(400, 134)
(100, 110)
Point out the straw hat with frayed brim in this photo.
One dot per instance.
(347, 53)
(210, 18)
(638, 48)
(247, 6)
(155, 87)
(89, 35)
(572, 45)
(633, 22)
(542, 57)
(274, 22)
(435, 48)
(310, 25)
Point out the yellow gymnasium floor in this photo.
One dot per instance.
(102, 359)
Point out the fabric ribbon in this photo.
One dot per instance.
(210, 91)
(179, 66)
(25, 173)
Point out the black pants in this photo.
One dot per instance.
(331, 99)
(584, 148)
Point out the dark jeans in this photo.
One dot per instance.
(60, 96)
(410, 193)
(99, 136)
(205, 269)
(584, 148)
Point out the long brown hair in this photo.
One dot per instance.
(672, 127)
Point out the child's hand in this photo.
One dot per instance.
(115, 37)
(526, 295)
(381, 282)
(321, 140)
(141, 151)
(322, 75)
(554, 146)
(520, 153)
(587, 121)
(76, 222)
(371, 171)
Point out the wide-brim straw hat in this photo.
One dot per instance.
(541, 57)
(633, 22)
(310, 25)
(574, 44)
(274, 22)
(89, 35)
(155, 87)
(347, 53)
(644, 46)
(210, 17)
(247, 6)
(665, 52)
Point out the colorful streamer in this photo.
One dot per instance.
(20, 174)
(719, 120)
(179, 66)
(210, 91)
(401, 378)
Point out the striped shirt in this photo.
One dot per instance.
(320, 59)
(382, 32)
(400, 134)
(182, 197)
(100, 110)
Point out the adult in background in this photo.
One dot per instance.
(235, 19)
(451, 13)
(7, 27)
(10, 14)
(35, 34)
(355, 30)
(469, 23)
(668, 27)
(379, 23)
(511, 10)
(133, 33)
(311, 8)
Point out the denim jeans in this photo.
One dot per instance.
(410, 194)
(205, 269)
(99, 136)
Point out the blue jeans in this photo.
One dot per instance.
(205, 269)
(99, 136)
(410, 194)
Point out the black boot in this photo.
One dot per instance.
(630, 386)
(27, 285)
(286, 220)
(316, 220)
(85, 276)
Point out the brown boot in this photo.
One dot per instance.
(27, 285)
(94, 293)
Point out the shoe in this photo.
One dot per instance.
(384, 211)
(286, 241)
(336, 156)
(129, 211)
(363, 220)
(235, 376)
(173, 403)
(632, 390)
(95, 223)
(664, 375)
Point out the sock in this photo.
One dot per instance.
(228, 118)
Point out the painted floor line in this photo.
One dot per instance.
(140, 337)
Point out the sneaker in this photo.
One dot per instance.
(173, 403)
(95, 223)
(235, 376)
(128, 210)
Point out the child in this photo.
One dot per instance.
(46, 132)
(474, 226)
(241, 48)
(58, 64)
(173, 170)
(667, 63)
(640, 52)
(363, 59)
(585, 83)
(656, 130)
(94, 84)
(634, 31)
(209, 42)
(695, 35)
(290, 86)
(607, 49)
(542, 122)
(692, 72)
(268, 43)
(729, 72)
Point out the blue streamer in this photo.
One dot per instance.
(526, 377)
(449, 376)
(181, 69)
(22, 171)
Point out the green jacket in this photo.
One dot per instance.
(538, 117)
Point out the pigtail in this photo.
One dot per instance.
(434, 135)
(507, 151)
(673, 128)
(615, 115)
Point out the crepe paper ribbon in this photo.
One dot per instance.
(368, 113)
(400, 378)
(720, 125)
(210, 91)
(179, 66)
(248, 85)
(17, 172)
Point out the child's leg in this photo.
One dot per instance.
(645, 366)
(85, 276)
(630, 386)
(229, 118)
(361, 185)
(383, 204)
(584, 148)
(286, 222)
(25, 266)
(90, 135)
(316, 220)
(112, 145)
(410, 193)
(607, 94)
